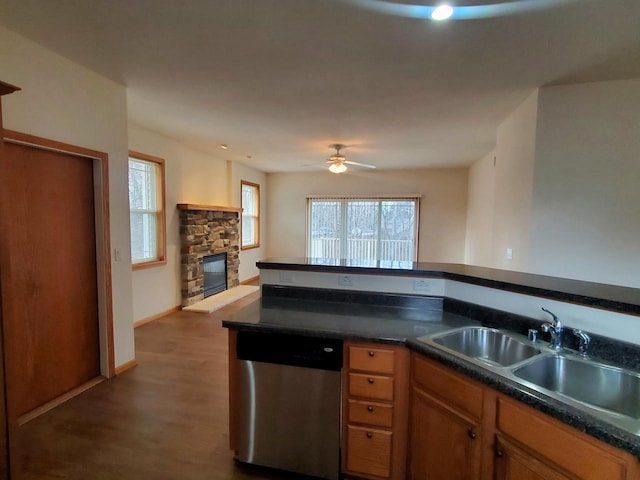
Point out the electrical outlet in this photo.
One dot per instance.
(422, 285)
(509, 253)
(345, 281)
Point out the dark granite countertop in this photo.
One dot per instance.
(349, 321)
(403, 325)
(598, 295)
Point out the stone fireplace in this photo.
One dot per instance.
(207, 230)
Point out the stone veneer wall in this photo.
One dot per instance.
(205, 232)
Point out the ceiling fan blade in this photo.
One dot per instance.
(358, 164)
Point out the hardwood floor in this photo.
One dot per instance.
(164, 419)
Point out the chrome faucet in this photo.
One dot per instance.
(555, 328)
(585, 340)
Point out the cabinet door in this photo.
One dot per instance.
(514, 463)
(444, 444)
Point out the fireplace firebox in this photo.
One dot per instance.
(215, 273)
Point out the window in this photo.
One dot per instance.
(146, 208)
(250, 215)
(363, 229)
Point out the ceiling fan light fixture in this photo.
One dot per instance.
(337, 167)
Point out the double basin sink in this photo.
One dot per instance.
(607, 392)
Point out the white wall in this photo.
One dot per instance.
(248, 258)
(442, 207)
(515, 157)
(586, 198)
(63, 101)
(480, 211)
(190, 177)
(500, 191)
(565, 186)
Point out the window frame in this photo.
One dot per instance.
(161, 231)
(255, 218)
(344, 201)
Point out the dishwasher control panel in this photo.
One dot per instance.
(287, 349)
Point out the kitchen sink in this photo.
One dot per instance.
(610, 388)
(487, 345)
(607, 392)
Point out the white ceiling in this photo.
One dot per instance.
(280, 80)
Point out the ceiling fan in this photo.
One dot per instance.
(338, 162)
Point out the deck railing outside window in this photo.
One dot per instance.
(367, 229)
(363, 249)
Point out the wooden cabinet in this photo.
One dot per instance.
(445, 429)
(375, 405)
(531, 445)
(460, 429)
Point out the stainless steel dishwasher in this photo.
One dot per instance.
(289, 402)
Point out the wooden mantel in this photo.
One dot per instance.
(211, 208)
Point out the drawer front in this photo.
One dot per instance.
(369, 451)
(559, 443)
(371, 386)
(377, 360)
(371, 413)
(454, 389)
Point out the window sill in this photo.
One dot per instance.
(152, 263)
(250, 247)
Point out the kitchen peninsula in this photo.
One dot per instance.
(388, 310)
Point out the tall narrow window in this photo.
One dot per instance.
(363, 229)
(146, 208)
(250, 215)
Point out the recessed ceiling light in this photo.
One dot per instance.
(442, 12)
(224, 146)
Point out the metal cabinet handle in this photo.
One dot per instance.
(370, 380)
(499, 453)
(471, 433)
(369, 434)
(372, 353)
(370, 408)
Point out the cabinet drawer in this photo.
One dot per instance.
(581, 456)
(449, 386)
(369, 451)
(371, 413)
(377, 360)
(371, 386)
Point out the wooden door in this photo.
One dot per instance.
(48, 274)
(514, 463)
(444, 445)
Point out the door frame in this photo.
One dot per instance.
(100, 162)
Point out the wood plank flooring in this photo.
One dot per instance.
(165, 419)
